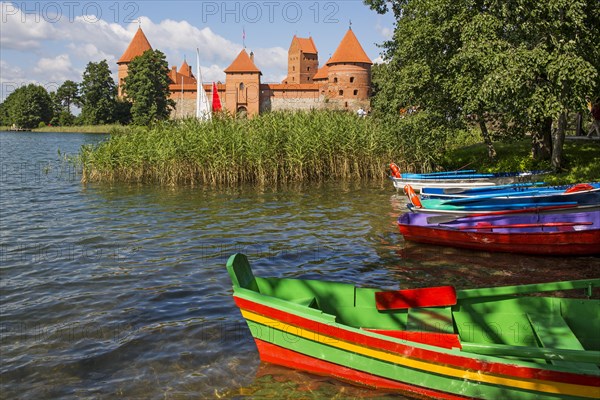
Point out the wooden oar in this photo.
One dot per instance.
(534, 225)
(442, 219)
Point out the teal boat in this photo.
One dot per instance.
(493, 343)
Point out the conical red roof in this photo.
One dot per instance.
(185, 69)
(349, 50)
(139, 44)
(242, 63)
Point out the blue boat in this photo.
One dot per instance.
(515, 189)
(577, 196)
(458, 179)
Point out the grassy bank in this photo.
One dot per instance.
(79, 129)
(581, 160)
(72, 129)
(268, 149)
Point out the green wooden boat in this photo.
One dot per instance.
(493, 343)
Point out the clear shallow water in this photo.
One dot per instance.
(112, 291)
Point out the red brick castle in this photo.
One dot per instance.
(344, 82)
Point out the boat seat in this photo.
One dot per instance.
(552, 331)
(430, 319)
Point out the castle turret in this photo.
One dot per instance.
(139, 44)
(349, 71)
(303, 61)
(242, 86)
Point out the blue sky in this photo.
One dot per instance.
(48, 42)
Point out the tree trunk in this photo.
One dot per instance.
(487, 139)
(558, 140)
(541, 141)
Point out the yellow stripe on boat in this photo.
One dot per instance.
(476, 376)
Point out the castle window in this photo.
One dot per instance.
(293, 68)
(351, 79)
(308, 68)
(335, 80)
(356, 92)
(308, 78)
(341, 92)
(242, 86)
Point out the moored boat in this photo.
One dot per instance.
(480, 343)
(551, 233)
(515, 189)
(458, 179)
(583, 195)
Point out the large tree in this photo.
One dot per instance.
(147, 87)
(98, 93)
(28, 106)
(68, 94)
(523, 65)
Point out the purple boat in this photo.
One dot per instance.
(565, 234)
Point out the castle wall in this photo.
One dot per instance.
(242, 91)
(185, 103)
(349, 81)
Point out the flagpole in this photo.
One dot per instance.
(202, 109)
(198, 83)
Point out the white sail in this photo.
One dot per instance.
(203, 111)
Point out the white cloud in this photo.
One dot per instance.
(22, 31)
(79, 39)
(14, 77)
(384, 31)
(91, 53)
(274, 57)
(214, 73)
(179, 38)
(379, 60)
(57, 69)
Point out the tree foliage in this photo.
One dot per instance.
(147, 87)
(98, 93)
(68, 94)
(27, 107)
(518, 66)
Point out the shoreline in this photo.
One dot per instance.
(95, 129)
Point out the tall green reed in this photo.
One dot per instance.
(277, 147)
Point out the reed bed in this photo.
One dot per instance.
(270, 149)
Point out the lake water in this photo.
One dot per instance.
(120, 291)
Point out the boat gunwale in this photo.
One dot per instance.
(408, 349)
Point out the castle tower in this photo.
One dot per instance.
(242, 85)
(349, 72)
(186, 70)
(303, 61)
(139, 44)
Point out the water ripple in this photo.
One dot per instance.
(121, 291)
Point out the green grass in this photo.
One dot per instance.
(272, 148)
(79, 128)
(581, 160)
